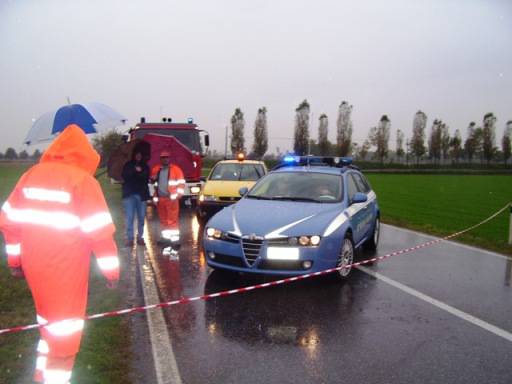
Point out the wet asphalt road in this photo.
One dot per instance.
(361, 331)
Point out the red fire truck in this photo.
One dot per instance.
(184, 141)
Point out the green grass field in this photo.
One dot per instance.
(105, 353)
(444, 204)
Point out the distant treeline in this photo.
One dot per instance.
(11, 154)
(438, 146)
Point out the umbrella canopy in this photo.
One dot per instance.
(123, 154)
(180, 155)
(91, 117)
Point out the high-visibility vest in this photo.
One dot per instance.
(176, 184)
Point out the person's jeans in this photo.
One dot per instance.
(134, 206)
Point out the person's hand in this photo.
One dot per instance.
(112, 284)
(17, 273)
(138, 169)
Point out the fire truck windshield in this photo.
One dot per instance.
(189, 138)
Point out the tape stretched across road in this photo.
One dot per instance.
(264, 285)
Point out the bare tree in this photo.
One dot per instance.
(323, 130)
(508, 128)
(488, 137)
(237, 132)
(11, 154)
(445, 140)
(399, 144)
(23, 155)
(355, 150)
(37, 154)
(470, 144)
(506, 142)
(417, 143)
(260, 145)
(365, 148)
(379, 136)
(456, 146)
(434, 142)
(478, 139)
(344, 131)
(106, 144)
(300, 145)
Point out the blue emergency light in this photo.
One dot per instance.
(326, 161)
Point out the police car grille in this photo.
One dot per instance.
(251, 249)
(232, 238)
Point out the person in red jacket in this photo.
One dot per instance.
(53, 220)
(169, 186)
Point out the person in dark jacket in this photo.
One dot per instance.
(135, 194)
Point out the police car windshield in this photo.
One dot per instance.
(299, 186)
(237, 172)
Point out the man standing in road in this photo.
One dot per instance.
(169, 184)
(135, 194)
(53, 220)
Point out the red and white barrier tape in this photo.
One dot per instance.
(258, 286)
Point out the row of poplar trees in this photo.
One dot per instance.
(480, 142)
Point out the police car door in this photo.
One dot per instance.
(369, 210)
(356, 211)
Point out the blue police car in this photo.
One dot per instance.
(307, 215)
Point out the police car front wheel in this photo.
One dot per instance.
(345, 258)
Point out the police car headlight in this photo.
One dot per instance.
(209, 198)
(314, 240)
(305, 241)
(213, 233)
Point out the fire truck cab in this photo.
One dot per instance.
(185, 143)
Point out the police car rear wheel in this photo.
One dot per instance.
(346, 257)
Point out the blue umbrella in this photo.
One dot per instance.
(91, 117)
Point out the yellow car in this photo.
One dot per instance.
(223, 183)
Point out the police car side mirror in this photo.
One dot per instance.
(359, 197)
(243, 191)
(203, 179)
(207, 140)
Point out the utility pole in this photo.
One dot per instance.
(226, 144)
(309, 138)
(407, 144)
(510, 227)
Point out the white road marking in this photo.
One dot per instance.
(454, 243)
(439, 304)
(163, 355)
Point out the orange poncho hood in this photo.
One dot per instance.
(72, 147)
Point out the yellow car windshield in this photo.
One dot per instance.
(237, 172)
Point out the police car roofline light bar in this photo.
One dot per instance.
(326, 161)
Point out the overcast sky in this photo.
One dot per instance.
(451, 59)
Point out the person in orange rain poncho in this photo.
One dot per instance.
(51, 222)
(169, 186)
